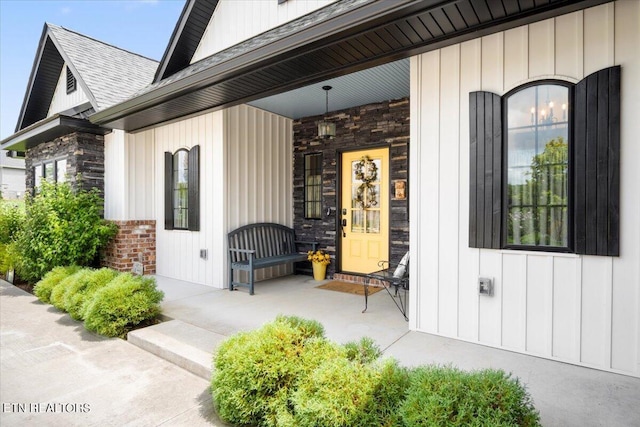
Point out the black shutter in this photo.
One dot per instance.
(194, 188)
(168, 191)
(485, 176)
(597, 164)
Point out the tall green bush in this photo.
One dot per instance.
(11, 221)
(62, 227)
(45, 286)
(124, 303)
(81, 291)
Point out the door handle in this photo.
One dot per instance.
(344, 224)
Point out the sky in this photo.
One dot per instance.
(139, 26)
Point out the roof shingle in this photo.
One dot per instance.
(111, 74)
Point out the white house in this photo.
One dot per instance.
(503, 139)
(12, 184)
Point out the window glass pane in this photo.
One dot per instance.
(49, 169)
(181, 189)
(37, 174)
(313, 186)
(357, 221)
(61, 170)
(537, 166)
(373, 221)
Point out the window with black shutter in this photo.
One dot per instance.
(182, 189)
(544, 166)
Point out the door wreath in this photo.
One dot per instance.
(367, 172)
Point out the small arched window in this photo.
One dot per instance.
(537, 160)
(182, 200)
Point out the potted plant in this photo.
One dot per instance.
(319, 260)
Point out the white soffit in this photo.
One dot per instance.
(381, 83)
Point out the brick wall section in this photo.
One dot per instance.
(384, 123)
(135, 242)
(84, 153)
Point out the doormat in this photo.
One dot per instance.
(349, 288)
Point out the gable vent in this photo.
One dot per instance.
(71, 82)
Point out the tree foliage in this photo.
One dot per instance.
(63, 226)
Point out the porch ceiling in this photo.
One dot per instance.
(381, 83)
(342, 38)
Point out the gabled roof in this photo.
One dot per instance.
(107, 74)
(186, 37)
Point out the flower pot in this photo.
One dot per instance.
(319, 271)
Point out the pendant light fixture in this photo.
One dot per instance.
(326, 130)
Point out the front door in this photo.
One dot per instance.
(364, 214)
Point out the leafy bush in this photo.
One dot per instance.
(256, 372)
(57, 298)
(79, 293)
(62, 227)
(440, 396)
(11, 220)
(43, 288)
(125, 302)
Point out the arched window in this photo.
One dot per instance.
(182, 200)
(537, 161)
(544, 166)
(181, 190)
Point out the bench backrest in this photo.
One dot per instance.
(267, 239)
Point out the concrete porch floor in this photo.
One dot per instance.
(565, 394)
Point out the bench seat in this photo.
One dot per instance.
(262, 245)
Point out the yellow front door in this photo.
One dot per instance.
(364, 214)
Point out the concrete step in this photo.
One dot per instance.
(180, 343)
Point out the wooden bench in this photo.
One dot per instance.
(262, 245)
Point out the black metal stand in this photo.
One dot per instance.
(398, 283)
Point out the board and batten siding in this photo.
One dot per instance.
(245, 176)
(62, 101)
(234, 21)
(259, 171)
(579, 309)
(178, 251)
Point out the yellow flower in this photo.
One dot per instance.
(319, 257)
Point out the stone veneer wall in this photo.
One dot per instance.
(384, 123)
(84, 153)
(135, 242)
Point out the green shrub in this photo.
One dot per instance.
(11, 220)
(446, 396)
(57, 298)
(347, 393)
(256, 372)
(62, 227)
(43, 288)
(363, 351)
(287, 374)
(79, 293)
(125, 302)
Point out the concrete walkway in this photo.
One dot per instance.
(55, 373)
(48, 358)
